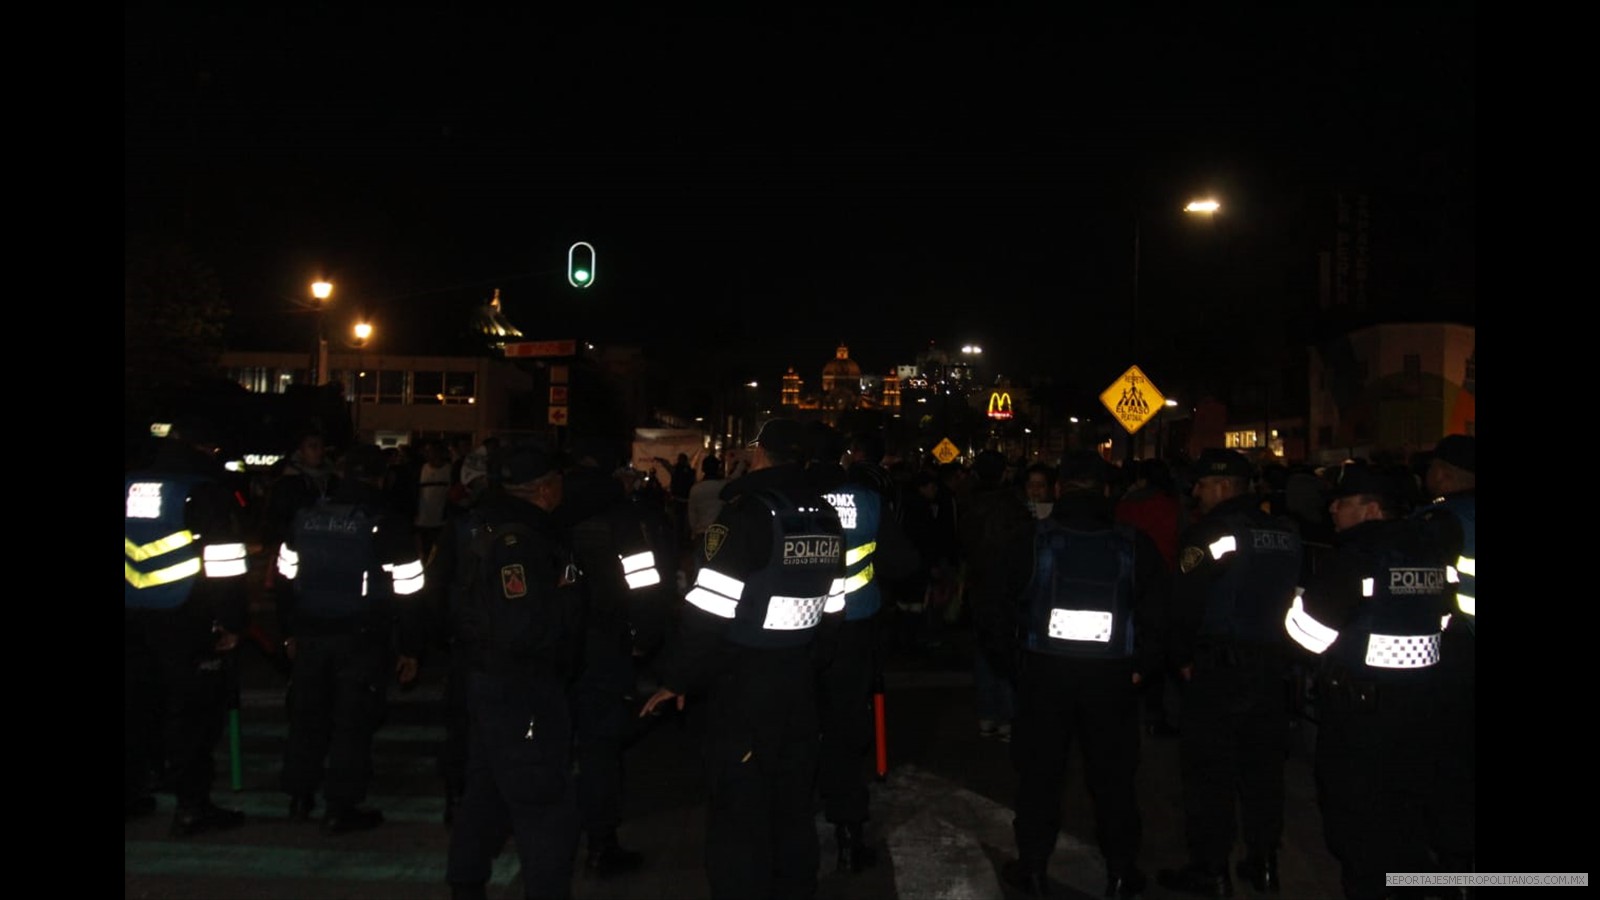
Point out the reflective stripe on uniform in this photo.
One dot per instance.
(408, 577)
(288, 562)
(716, 593)
(795, 613)
(857, 554)
(177, 572)
(1467, 604)
(859, 580)
(1081, 625)
(836, 592)
(1222, 546)
(173, 541)
(1305, 630)
(639, 570)
(225, 560)
(1409, 651)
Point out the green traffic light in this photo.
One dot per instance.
(580, 264)
(580, 275)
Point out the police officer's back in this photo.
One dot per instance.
(1238, 568)
(771, 574)
(184, 607)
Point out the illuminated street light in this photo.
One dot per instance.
(363, 335)
(1206, 206)
(363, 331)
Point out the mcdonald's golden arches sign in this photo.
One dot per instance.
(1000, 405)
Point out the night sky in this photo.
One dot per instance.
(759, 189)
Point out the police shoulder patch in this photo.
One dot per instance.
(1191, 557)
(715, 535)
(513, 581)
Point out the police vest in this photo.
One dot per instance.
(1465, 508)
(163, 557)
(1080, 600)
(337, 572)
(860, 510)
(521, 606)
(782, 604)
(1249, 601)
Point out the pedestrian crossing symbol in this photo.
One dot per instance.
(1132, 399)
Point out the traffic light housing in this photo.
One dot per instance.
(580, 264)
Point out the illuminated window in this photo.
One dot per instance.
(1241, 440)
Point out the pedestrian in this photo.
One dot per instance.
(433, 495)
(1151, 505)
(772, 572)
(183, 611)
(1451, 518)
(993, 514)
(875, 548)
(1238, 569)
(1372, 619)
(1088, 610)
(521, 632)
(352, 564)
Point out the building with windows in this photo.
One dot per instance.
(843, 388)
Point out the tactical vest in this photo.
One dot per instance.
(162, 556)
(1405, 593)
(782, 604)
(1080, 600)
(339, 573)
(860, 510)
(509, 622)
(1465, 508)
(1249, 601)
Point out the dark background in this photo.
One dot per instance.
(767, 186)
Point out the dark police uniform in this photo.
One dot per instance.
(771, 574)
(184, 567)
(1373, 617)
(875, 547)
(1090, 613)
(623, 585)
(521, 634)
(1238, 569)
(351, 563)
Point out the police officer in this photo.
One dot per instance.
(875, 546)
(1088, 621)
(1451, 519)
(1372, 616)
(623, 585)
(351, 562)
(521, 633)
(1238, 569)
(772, 576)
(183, 609)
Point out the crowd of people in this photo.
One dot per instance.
(1216, 602)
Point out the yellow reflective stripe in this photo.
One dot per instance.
(1467, 565)
(859, 580)
(142, 552)
(857, 554)
(141, 580)
(1468, 604)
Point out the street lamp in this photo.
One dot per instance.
(321, 291)
(363, 334)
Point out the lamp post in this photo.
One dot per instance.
(363, 333)
(321, 291)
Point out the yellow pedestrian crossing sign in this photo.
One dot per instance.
(1132, 399)
(945, 451)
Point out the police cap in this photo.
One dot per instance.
(1459, 450)
(786, 436)
(1217, 461)
(1083, 465)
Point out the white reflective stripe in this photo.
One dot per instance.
(225, 560)
(837, 590)
(834, 604)
(712, 602)
(1444, 621)
(1305, 630)
(1451, 575)
(719, 583)
(1468, 565)
(408, 577)
(1080, 625)
(638, 561)
(1222, 546)
(794, 613)
(857, 554)
(363, 584)
(288, 562)
(1367, 587)
(1410, 651)
(643, 579)
(1467, 604)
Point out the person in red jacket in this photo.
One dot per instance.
(1151, 505)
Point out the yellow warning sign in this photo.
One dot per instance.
(1132, 399)
(946, 452)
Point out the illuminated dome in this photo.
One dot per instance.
(841, 371)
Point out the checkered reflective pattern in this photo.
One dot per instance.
(1080, 625)
(793, 613)
(1412, 651)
